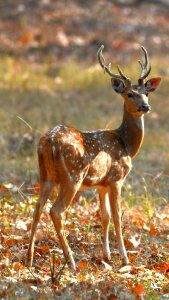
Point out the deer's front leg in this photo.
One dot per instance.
(105, 216)
(115, 204)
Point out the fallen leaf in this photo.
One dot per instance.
(81, 265)
(106, 265)
(146, 228)
(12, 241)
(166, 218)
(135, 241)
(17, 266)
(42, 249)
(81, 277)
(153, 230)
(125, 269)
(8, 196)
(162, 267)
(138, 289)
(8, 185)
(21, 225)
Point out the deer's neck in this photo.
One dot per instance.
(131, 132)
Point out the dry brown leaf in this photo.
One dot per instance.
(42, 249)
(138, 289)
(13, 240)
(17, 266)
(153, 230)
(81, 265)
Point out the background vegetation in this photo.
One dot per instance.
(49, 75)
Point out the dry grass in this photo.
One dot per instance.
(71, 94)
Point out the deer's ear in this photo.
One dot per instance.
(152, 84)
(118, 85)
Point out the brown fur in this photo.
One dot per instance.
(75, 161)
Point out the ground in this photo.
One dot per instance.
(49, 75)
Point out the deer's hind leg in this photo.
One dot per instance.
(64, 198)
(45, 192)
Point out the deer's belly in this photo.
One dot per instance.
(98, 170)
(104, 170)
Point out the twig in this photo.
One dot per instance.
(59, 275)
(30, 127)
(27, 124)
(21, 193)
(30, 271)
(52, 268)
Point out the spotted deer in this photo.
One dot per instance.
(76, 161)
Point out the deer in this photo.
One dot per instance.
(76, 160)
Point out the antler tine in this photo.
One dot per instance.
(126, 79)
(144, 71)
(106, 68)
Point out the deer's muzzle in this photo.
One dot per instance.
(144, 107)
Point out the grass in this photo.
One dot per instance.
(46, 95)
(49, 94)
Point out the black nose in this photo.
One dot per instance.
(144, 107)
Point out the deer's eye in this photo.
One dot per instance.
(130, 95)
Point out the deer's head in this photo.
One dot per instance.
(135, 95)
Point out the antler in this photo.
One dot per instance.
(107, 68)
(145, 70)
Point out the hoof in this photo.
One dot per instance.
(107, 258)
(125, 262)
(71, 264)
(106, 255)
(29, 262)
